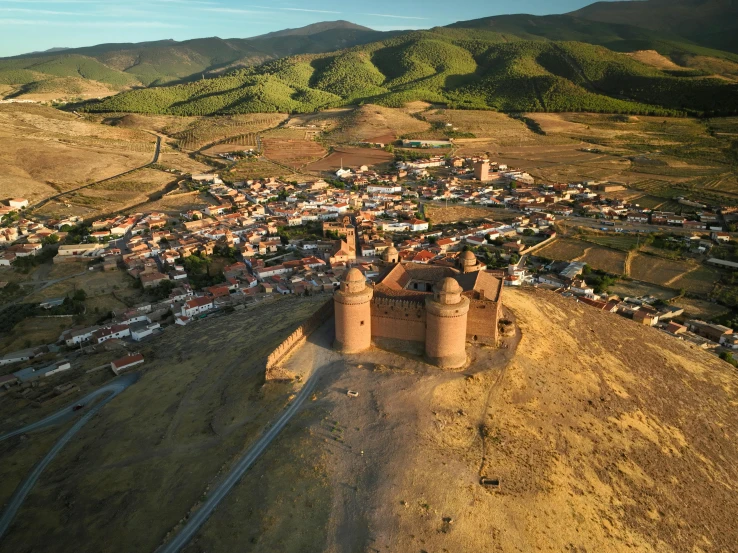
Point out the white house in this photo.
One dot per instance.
(141, 331)
(18, 203)
(108, 333)
(125, 363)
(195, 306)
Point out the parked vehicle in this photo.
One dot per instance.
(77, 407)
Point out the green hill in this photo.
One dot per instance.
(710, 23)
(167, 61)
(470, 70)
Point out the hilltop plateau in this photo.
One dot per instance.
(603, 434)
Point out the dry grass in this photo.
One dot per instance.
(442, 215)
(654, 59)
(44, 151)
(671, 274)
(563, 249)
(35, 331)
(369, 122)
(292, 152)
(122, 192)
(203, 402)
(604, 259)
(353, 157)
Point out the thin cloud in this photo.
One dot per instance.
(93, 24)
(306, 10)
(39, 12)
(393, 16)
(233, 10)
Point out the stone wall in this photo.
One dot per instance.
(482, 321)
(296, 339)
(397, 319)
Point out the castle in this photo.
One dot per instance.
(440, 307)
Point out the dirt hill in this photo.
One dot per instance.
(605, 436)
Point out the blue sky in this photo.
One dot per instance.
(32, 25)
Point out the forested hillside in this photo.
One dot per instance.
(459, 68)
(121, 66)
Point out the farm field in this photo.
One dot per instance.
(672, 274)
(44, 151)
(623, 242)
(174, 159)
(352, 157)
(174, 204)
(209, 130)
(604, 259)
(122, 192)
(258, 169)
(442, 215)
(292, 152)
(563, 249)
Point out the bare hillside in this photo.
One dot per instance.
(606, 436)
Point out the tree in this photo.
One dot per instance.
(80, 295)
(51, 239)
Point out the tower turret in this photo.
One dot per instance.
(353, 313)
(391, 255)
(446, 310)
(468, 262)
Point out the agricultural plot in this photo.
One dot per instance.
(605, 259)
(563, 249)
(122, 192)
(209, 130)
(352, 157)
(621, 242)
(700, 280)
(443, 215)
(257, 169)
(672, 274)
(293, 153)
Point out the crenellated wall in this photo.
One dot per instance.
(398, 319)
(297, 338)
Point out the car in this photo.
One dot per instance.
(77, 407)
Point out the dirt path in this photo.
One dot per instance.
(672, 280)
(628, 261)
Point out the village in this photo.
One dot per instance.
(273, 238)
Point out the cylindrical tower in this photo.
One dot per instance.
(391, 255)
(353, 313)
(468, 262)
(446, 315)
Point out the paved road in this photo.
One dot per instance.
(191, 527)
(114, 388)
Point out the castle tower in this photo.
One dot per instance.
(391, 255)
(481, 171)
(446, 317)
(353, 313)
(468, 262)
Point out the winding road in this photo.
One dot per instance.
(113, 389)
(196, 521)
